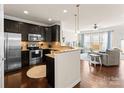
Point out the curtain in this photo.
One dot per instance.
(96, 41)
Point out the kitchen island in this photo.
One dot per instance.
(63, 68)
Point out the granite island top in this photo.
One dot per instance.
(53, 53)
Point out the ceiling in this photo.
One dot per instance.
(104, 15)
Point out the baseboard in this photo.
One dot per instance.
(74, 83)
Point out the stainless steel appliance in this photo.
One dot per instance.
(34, 37)
(12, 51)
(35, 56)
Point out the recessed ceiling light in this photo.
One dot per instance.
(65, 11)
(26, 12)
(49, 19)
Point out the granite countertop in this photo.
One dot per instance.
(52, 55)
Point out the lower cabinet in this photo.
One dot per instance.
(25, 58)
(50, 71)
(45, 51)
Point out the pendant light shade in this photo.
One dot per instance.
(77, 19)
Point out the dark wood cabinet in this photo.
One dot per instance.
(25, 58)
(33, 29)
(47, 34)
(45, 51)
(55, 33)
(42, 32)
(52, 34)
(23, 28)
(26, 29)
(50, 71)
(11, 26)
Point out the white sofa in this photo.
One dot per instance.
(111, 57)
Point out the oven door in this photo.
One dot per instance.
(35, 56)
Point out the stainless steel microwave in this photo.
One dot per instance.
(34, 37)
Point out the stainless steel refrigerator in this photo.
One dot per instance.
(12, 51)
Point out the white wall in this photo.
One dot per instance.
(1, 48)
(68, 33)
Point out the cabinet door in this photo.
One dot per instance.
(23, 27)
(47, 34)
(42, 32)
(45, 51)
(58, 33)
(11, 26)
(55, 33)
(50, 71)
(25, 58)
(34, 29)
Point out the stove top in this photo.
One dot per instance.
(33, 48)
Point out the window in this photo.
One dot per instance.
(97, 41)
(87, 41)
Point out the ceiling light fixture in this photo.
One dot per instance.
(65, 11)
(49, 19)
(95, 26)
(26, 12)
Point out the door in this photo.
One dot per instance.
(1, 48)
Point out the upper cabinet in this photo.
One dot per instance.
(55, 33)
(11, 26)
(52, 34)
(49, 34)
(33, 29)
(42, 32)
(23, 29)
(47, 31)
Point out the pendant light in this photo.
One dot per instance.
(77, 19)
(77, 24)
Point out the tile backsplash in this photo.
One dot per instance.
(24, 45)
(43, 44)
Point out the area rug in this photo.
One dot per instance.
(37, 72)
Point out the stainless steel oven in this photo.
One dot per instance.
(34, 37)
(35, 56)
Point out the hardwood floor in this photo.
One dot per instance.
(107, 77)
(19, 79)
(91, 77)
